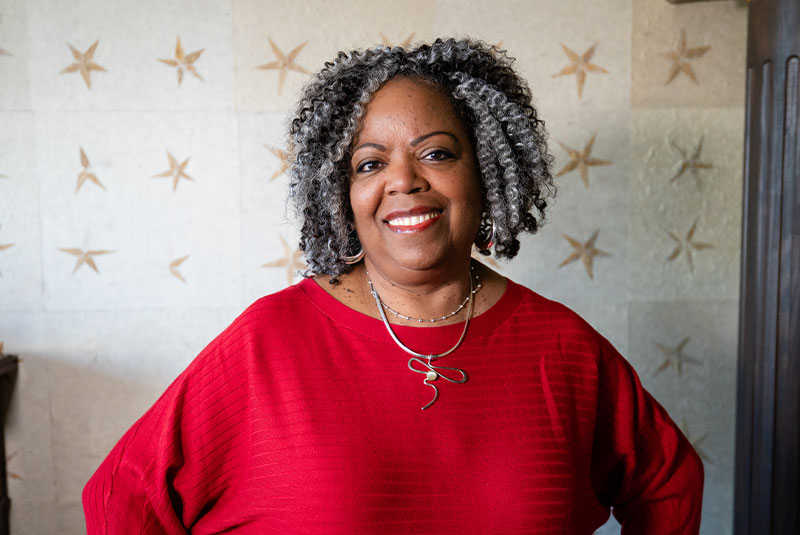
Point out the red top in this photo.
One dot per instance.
(303, 417)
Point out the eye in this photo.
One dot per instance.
(438, 155)
(368, 166)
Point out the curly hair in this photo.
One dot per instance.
(491, 99)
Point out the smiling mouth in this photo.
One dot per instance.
(413, 222)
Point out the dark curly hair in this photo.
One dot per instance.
(492, 100)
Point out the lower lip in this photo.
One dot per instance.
(414, 228)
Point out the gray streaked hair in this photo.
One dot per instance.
(492, 100)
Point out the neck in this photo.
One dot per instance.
(423, 295)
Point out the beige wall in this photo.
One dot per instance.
(98, 347)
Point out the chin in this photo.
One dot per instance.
(415, 263)
(423, 261)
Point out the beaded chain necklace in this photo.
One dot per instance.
(430, 371)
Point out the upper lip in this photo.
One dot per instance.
(417, 210)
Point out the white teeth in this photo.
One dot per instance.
(411, 221)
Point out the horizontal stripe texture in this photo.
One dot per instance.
(303, 417)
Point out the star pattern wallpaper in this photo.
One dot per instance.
(143, 199)
(579, 65)
(183, 62)
(84, 63)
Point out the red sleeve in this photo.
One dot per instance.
(125, 496)
(642, 465)
(119, 500)
(178, 458)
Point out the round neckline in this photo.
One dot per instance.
(429, 338)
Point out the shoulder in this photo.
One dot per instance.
(267, 325)
(555, 316)
(277, 311)
(556, 330)
(294, 297)
(261, 326)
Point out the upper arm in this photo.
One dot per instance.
(642, 465)
(124, 497)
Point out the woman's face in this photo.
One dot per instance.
(414, 185)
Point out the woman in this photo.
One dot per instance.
(304, 416)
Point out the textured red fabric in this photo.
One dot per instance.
(302, 417)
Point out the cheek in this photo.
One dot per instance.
(475, 197)
(363, 203)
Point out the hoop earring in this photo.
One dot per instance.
(355, 259)
(485, 247)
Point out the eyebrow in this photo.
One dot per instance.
(374, 145)
(414, 142)
(423, 137)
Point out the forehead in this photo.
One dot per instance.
(408, 104)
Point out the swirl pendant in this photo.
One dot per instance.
(430, 371)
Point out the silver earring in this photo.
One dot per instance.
(355, 259)
(485, 247)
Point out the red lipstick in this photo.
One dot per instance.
(413, 220)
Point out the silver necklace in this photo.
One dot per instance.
(431, 371)
(446, 316)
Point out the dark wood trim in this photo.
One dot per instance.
(8, 376)
(766, 499)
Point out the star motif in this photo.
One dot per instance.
(176, 171)
(86, 174)
(404, 44)
(674, 356)
(579, 65)
(11, 455)
(695, 441)
(284, 62)
(3, 247)
(585, 251)
(291, 261)
(687, 244)
(282, 157)
(184, 61)
(174, 265)
(680, 59)
(690, 162)
(84, 257)
(84, 63)
(581, 160)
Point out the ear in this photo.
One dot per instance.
(486, 234)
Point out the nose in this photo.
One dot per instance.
(405, 175)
